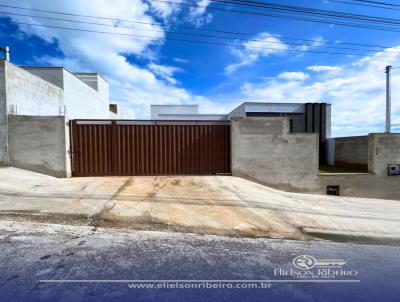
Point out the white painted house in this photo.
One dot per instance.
(38, 97)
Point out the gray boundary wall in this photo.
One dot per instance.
(263, 150)
(39, 144)
(3, 116)
(351, 151)
(383, 149)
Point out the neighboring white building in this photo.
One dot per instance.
(84, 95)
(41, 97)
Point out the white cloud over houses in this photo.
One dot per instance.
(294, 76)
(321, 68)
(131, 85)
(356, 92)
(165, 72)
(262, 45)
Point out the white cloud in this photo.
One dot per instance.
(356, 92)
(319, 68)
(263, 45)
(165, 72)
(294, 76)
(130, 84)
(316, 42)
(198, 15)
(163, 9)
(180, 60)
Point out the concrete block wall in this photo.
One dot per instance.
(384, 149)
(3, 116)
(38, 143)
(263, 150)
(351, 151)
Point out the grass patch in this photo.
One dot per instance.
(339, 169)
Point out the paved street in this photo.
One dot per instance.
(31, 252)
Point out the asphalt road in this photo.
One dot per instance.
(31, 253)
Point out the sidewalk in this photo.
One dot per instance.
(220, 205)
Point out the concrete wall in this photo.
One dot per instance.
(384, 149)
(38, 143)
(263, 150)
(351, 150)
(362, 185)
(29, 94)
(3, 116)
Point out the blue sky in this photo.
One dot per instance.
(218, 78)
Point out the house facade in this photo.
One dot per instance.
(60, 123)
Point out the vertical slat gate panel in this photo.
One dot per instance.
(124, 149)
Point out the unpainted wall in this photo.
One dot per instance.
(3, 116)
(363, 185)
(263, 150)
(384, 149)
(350, 151)
(38, 143)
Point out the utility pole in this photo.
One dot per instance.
(388, 100)
(6, 51)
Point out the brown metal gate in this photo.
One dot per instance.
(102, 148)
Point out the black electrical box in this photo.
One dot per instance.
(393, 170)
(333, 190)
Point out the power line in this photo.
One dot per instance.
(241, 12)
(190, 41)
(309, 11)
(363, 4)
(305, 10)
(178, 27)
(379, 2)
(289, 17)
(196, 34)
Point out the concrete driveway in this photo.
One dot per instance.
(221, 205)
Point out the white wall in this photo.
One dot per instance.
(83, 101)
(30, 94)
(85, 95)
(156, 110)
(54, 75)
